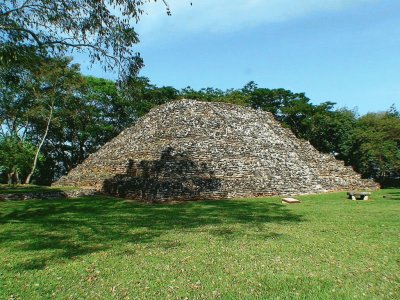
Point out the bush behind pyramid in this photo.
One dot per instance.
(189, 150)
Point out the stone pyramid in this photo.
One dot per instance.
(187, 150)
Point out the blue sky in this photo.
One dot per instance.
(347, 52)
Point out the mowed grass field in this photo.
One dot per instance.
(326, 247)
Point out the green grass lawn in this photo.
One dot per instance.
(327, 247)
(30, 188)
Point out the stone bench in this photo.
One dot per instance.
(290, 200)
(358, 195)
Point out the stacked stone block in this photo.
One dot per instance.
(187, 150)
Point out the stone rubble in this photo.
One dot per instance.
(189, 150)
(48, 195)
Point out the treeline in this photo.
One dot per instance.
(52, 117)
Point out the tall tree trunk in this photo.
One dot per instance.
(9, 178)
(28, 178)
(15, 177)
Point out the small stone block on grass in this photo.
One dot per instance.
(290, 200)
(358, 195)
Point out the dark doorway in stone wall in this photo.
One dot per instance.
(174, 176)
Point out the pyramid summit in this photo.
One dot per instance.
(188, 150)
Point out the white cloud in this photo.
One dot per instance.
(230, 15)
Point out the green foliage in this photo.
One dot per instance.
(82, 113)
(82, 123)
(375, 145)
(370, 143)
(330, 130)
(47, 99)
(141, 95)
(28, 89)
(32, 93)
(16, 157)
(216, 95)
(105, 30)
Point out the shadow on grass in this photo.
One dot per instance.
(65, 229)
(393, 195)
(22, 189)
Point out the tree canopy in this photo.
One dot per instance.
(375, 148)
(29, 95)
(104, 29)
(15, 158)
(55, 118)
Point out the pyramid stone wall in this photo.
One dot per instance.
(186, 150)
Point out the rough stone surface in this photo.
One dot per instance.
(187, 150)
(47, 195)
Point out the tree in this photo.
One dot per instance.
(294, 110)
(330, 130)
(82, 124)
(235, 96)
(216, 95)
(143, 96)
(104, 29)
(271, 100)
(66, 116)
(92, 117)
(15, 158)
(29, 94)
(190, 93)
(375, 148)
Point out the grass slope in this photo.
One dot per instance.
(102, 248)
(30, 188)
